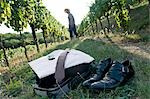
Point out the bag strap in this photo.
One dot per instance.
(60, 70)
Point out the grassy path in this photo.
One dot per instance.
(18, 82)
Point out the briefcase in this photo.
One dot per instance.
(60, 71)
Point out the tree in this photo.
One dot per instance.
(17, 21)
(121, 14)
(107, 10)
(30, 12)
(42, 21)
(99, 12)
(104, 8)
(4, 50)
(93, 15)
(5, 14)
(84, 25)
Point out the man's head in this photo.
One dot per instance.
(67, 11)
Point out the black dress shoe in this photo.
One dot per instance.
(102, 69)
(118, 74)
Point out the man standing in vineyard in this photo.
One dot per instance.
(72, 27)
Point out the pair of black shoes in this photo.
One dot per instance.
(110, 74)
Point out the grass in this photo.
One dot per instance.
(18, 82)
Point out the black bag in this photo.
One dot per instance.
(57, 91)
(48, 86)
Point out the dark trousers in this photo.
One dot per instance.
(73, 31)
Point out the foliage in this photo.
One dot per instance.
(5, 10)
(121, 14)
(83, 26)
(18, 14)
(102, 9)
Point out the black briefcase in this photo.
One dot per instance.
(55, 87)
